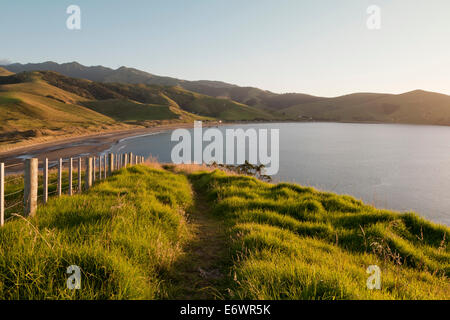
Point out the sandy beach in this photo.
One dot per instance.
(72, 147)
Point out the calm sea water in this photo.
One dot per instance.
(400, 167)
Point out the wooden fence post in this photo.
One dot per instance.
(93, 169)
(131, 158)
(104, 166)
(2, 194)
(45, 182)
(100, 158)
(125, 160)
(111, 164)
(79, 175)
(59, 177)
(70, 176)
(30, 187)
(88, 174)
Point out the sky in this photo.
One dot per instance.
(319, 47)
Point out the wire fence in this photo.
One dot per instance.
(24, 191)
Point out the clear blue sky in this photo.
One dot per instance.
(321, 47)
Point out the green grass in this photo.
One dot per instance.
(143, 234)
(14, 189)
(224, 109)
(123, 234)
(292, 242)
(126, 110)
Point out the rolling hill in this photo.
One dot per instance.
(415, 107)
(4, 72)
(32, 109)
(246, 95)
(176, 97)
(226, 101)
(43, 105)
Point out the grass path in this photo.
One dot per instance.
(202, 272)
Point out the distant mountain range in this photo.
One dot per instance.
(415, 107)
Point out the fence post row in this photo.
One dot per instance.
(107, 164)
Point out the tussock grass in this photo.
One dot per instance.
(141, 235)
(292, 242)
(124, 234)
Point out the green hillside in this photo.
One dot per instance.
(415, 107)
(224, 109)
(127, 110)
(294, 242)
(192, 102)
(179, 233)
(4, 72)
(35, 110)
(249, 103)
(43, 105)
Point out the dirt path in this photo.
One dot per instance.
(203, 271)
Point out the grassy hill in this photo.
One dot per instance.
(34, 110)
(43, 105)
(4, 72)
(158, 95)
(214, 107)
(124, 233)
(294, 242)
(179, 233)
(226, 101)
(128, 110)
(416, 107)
(250, 96)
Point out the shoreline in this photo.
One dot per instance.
(99, 142)
(87, 144)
